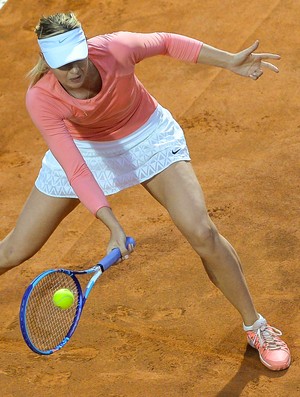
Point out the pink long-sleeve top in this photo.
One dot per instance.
(121, 107)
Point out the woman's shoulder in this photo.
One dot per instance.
(46, 84)
(116, 48)
(46, 94)
(106, 41)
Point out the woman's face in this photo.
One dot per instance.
(72, 75)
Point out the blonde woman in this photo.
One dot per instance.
(105, 132)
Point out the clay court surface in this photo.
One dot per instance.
(155, 326)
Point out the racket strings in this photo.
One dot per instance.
(47, 325)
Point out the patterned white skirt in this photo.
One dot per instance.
(126, 162)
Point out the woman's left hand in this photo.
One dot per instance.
(248, 64)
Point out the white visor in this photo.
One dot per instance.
(64, 48)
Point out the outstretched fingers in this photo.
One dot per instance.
(267, 55)
(259, 64)
(262, 59)
(270, 66)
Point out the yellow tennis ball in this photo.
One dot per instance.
(63, 298)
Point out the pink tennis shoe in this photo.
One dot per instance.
(273, 352)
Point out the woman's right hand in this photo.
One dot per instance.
(118, 240)
(117, 234)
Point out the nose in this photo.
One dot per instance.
(74, 67)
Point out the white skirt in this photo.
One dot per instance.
(123, 163)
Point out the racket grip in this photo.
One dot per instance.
(114, 255)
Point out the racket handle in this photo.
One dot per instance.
(114, 255)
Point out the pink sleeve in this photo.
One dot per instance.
(144, 45)
(47, 116)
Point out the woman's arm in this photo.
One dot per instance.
(46, 117)
(138, 46)
(244, 63)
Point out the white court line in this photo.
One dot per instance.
(2, 2)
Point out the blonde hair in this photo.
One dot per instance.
(47, 27)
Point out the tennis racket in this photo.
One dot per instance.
(45, 327)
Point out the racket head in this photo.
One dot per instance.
(45, 327)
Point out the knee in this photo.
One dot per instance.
(10, 256)
(203, 237)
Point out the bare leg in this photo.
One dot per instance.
(38, 220)
(179, 191)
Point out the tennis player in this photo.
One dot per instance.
(105, 133)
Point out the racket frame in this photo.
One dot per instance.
(98, 269)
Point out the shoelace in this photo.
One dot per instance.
(269, 337)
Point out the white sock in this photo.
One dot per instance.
(257, 324)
